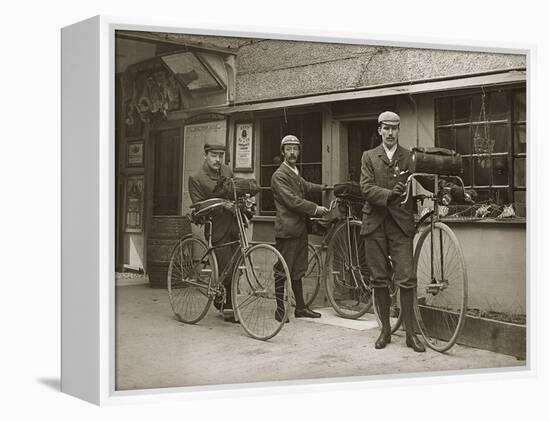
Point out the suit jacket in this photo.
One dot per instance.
(293, 209)
(201, 187)
(378, 177)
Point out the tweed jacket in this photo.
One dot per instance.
(378, 177)
(201, 187)
(293, 209)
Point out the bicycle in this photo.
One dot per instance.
(193, 280)
(345, 273)
(440, 268)
(438, 264)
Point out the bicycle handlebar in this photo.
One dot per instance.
(436, 177)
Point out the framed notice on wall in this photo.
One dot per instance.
(134, 204)
(244, 148)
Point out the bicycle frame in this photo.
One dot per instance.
(243, 243)
(433, 215)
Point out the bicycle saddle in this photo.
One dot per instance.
(204, 207)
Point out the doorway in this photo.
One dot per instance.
(362, 135)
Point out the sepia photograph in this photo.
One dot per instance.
(290, 210)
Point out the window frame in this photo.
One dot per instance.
(265, 185)
(511, 122)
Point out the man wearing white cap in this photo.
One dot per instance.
(389, 227)
(293, 209)
(205, 184)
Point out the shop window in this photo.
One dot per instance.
(497, 176)
(308, 128)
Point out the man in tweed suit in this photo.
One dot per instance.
(205, 184)
(289, 192)
(389, 227)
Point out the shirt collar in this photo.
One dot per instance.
(389, 152)
(294, 170)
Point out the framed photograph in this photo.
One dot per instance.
(356, 108)
(134, 153)
(244, 148)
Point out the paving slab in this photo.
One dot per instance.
(153, 350)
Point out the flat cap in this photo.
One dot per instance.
(290, 139)
(214, 147)
(389, 118)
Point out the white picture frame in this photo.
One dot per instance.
(88, 305)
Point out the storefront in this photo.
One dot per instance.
(330, 96)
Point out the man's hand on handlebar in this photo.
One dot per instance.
(398, 190)
(321, 211)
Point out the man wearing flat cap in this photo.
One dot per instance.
(293, 209)
(389, 228)
(206, 184)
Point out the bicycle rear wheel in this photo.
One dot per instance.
(346, 278)
(311, 282)
(441, 296)
(191, 272)
(254, 291)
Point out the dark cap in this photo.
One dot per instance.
(214, 147)
(389, 118)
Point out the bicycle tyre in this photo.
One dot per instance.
(191, 273)
(346, 276)
(441, 299)
(254, 298)
(311, 282)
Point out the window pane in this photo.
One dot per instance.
(467, 174)
(443, 111)
(463, 140)
(271, 139)
(501, 196)
(519, 172)
(265, 174)
(498, 196)
(520, 140)
(519, 106)
(482, 172)
(519, 203)
(266, 200)
(500, 171)
(292, 125)
(462, 109)
(312, 144)
(311, 173)
(498, 105)
(476, 108)
(500, 133)
(445, 138)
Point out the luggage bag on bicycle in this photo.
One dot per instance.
(439, 161)
(350, 190)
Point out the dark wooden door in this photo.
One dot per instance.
(166, 224)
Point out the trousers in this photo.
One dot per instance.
(388, 239)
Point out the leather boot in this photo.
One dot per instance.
(382, 302)
(279, 297)
(407, 303)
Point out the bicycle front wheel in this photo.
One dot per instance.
(346, 277)
(261, 285)
(191, 272)
(311, 282)
(440, 305)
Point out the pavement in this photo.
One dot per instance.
(154, 350)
